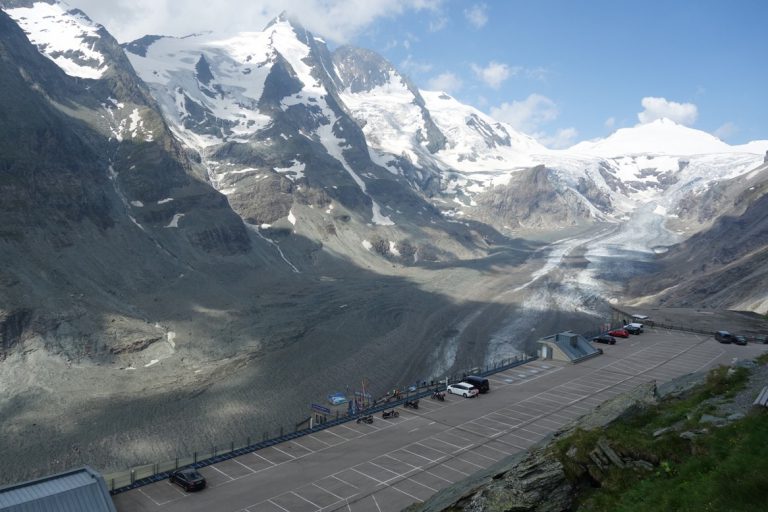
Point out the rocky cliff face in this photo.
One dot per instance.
(725, 263)
(97, 199)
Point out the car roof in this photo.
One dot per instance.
(463, 384)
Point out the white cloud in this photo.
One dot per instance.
(337, 20)
(610, 123)
(494, 73)
(539, 73)
(527, 115)
(659, 108)
(447, 82)
(437, 24)
(726, 131)
(477, 15)
(411, 66)
(562, 138)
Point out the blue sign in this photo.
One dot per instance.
(321, 409)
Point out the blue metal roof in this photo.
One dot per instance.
(78, 490)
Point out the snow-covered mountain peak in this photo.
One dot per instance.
(475, 137)
(65, 35)
(660, 137)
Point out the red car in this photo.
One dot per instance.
(619, 333)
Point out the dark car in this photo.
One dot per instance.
(740, 340)
(605, 338)
(619, 333)
(634, 328)
(188, 479)
(724, 337)
(481, 383)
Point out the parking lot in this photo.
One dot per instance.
(387, 465)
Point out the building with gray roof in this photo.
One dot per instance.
(567, 346)
(76, 490)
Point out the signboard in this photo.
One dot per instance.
(321, 409)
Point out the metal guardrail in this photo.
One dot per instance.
(146, 474)
(652, 323)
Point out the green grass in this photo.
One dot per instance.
(729, 473)
(725, 469)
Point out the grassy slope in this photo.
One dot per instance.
(724, 469)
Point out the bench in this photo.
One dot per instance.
(762, 398)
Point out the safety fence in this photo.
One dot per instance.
(145, 474)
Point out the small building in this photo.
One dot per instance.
(76, 490)
(567, 346)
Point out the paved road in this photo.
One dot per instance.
(390, 464)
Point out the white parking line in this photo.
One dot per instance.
(312, 436)
(246, 467)
(283, 452)
(381, 482)
(275, 504)
(326, 490)
(343, 481)
(220, 471)
(423, 485)
(469, 462)
(421, 456)
(150, 498)
(305, 499)
(376, 502)
(406, 493)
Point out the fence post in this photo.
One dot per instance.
(231, 446)
(133, 476)
(194, 457)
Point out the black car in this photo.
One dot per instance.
(481, 383)
(605, 338)
(725, 337)
(740, 340)
(188, 479)
(634, 328)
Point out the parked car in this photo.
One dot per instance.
(724, 337)
(605, 338)
(464, 389)
(619, 333)
(761, 339)
(634, 328)
(740, 340)
(188, 479)
(481, 383)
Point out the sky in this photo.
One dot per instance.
(561, 70)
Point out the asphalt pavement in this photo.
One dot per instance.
(392, 463)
